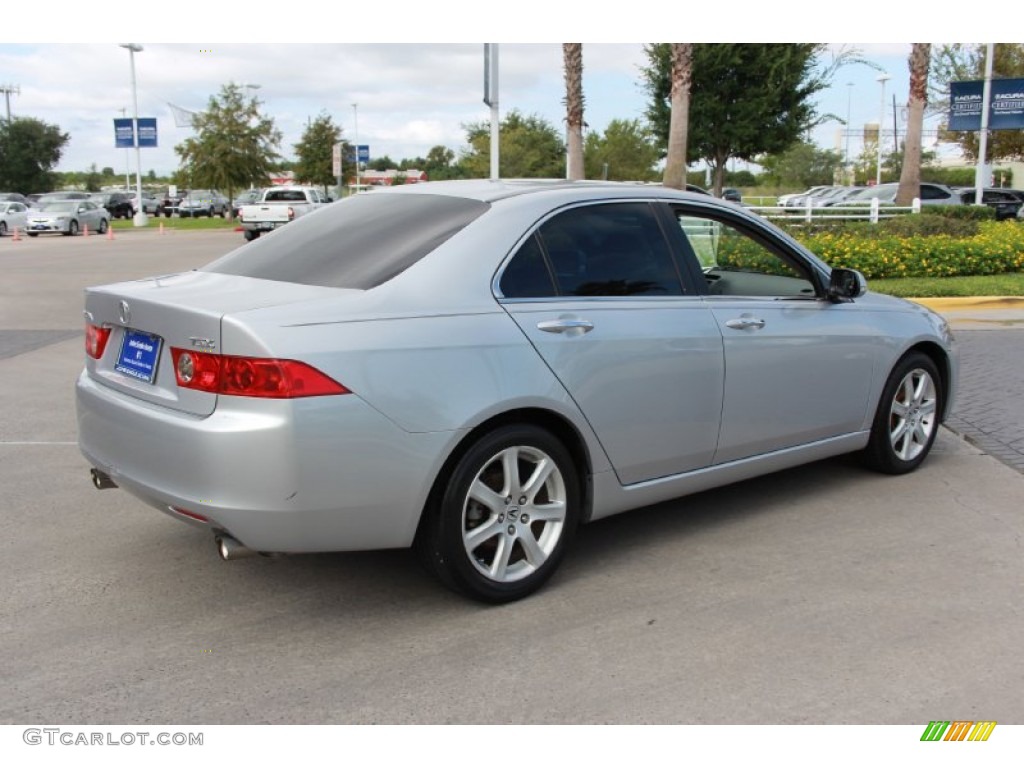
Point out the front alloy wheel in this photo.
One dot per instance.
(506, 516)
(908, 415)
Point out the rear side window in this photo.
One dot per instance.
(360, 242)
(614, 249)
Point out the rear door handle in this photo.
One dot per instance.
(565, 325)
(743, 323)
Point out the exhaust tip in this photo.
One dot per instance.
(230, 548)
(101, 480)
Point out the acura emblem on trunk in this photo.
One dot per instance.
(125, 315)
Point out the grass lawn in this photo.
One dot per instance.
(1009, 284)
(216, 222)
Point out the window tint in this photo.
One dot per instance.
(610, 250)
(929, 192)
(360, 242)
(737, 264)
(527, 275)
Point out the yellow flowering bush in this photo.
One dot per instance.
(997, 247)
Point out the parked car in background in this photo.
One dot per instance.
(68, 217)
(13, 197)
(929, 194)
(836, 197)
(203, 202)
(732, 194)
(149, 203)
(247, 197)
(278, 206)
(475, 368)
(169, 202)
(12, 215)
(790, 200)
(50, 197)
(117, 203)
(1006, 202)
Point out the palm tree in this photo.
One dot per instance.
(572, 54)
(910, 176)
(675, 162)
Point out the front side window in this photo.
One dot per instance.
(736, 263)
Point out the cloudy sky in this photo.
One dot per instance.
(410, 95)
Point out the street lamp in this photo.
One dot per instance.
(140, 219)
(355, 114)
(253, 87)
(849, 128)
(882, 78)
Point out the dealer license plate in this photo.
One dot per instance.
(139, 355)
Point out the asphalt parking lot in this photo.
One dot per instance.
(825, 594)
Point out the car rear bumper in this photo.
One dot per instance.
(304, 475)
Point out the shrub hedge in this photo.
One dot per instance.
(922, 248)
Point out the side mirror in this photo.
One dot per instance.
(846, 285)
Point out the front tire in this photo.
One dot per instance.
(72, 229)
(499, 529)
(908, 415)
(103, 227)
(3, 228)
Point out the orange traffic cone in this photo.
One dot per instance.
(85, 230)
(17, 236)
(161, 227)
(110, 233)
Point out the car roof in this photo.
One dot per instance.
(490, 191)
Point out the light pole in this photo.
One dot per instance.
(849, 128)
(140, 219)
(355, 114)
(252, 87)
(882, 78)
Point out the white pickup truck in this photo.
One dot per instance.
(278, 206)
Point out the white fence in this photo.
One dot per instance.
(810, 212)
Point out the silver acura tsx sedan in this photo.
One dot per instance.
(476, 368)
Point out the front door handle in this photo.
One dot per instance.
(567, 326)
(743, 323)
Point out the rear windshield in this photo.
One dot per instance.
(360, 242)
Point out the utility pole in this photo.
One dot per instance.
(7, 90)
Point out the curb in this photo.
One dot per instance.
(954, 303)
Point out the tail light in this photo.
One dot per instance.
(96, 338)
(251, 376)
(291, 213)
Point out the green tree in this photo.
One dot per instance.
(29, 149)
(626, 147)
(530, 148)
(92, 179)
(953, 63)
(235, 144)
(801, 166)
(746, 99)
(107, 171)
(315, 152)
(383, 163)
(440, 164)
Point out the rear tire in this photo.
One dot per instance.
(3, 228)
(908, 417)
(500, 526)
(250, 235)
(103, 227)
